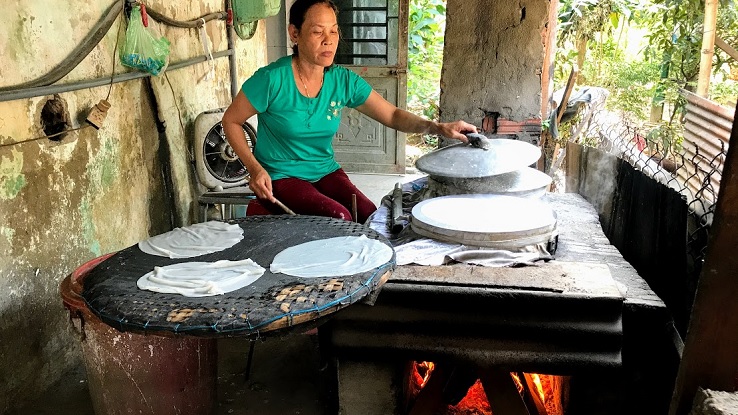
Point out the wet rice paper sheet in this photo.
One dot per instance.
(194, 240)
(201, 279)
(332, 257)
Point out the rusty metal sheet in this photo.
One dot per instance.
(706, 138)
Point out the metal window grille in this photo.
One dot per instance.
(368, 32)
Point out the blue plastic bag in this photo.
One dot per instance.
(141, 49)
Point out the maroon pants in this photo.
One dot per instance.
(329, 196)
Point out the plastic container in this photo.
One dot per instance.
(153, 373)
(246, 14)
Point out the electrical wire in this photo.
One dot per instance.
(45, 136)
(189, 24)
(115, 58)
(77, 55)
(110, 89)
(99, 31)
(96, 35)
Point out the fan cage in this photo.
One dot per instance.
(215, 146)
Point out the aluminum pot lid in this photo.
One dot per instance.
(466, 161)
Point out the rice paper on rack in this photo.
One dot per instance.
(332, 257)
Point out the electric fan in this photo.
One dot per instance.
(218, 166)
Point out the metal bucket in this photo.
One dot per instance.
(140, 373)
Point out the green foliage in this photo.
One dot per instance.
(665, 139)
(727, 29)
(725, 93)
(632, 86)
(582, 19)
(425, 56)
(675, 37)
(670, 60)
(675, 41)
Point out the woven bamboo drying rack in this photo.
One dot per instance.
(274, 302)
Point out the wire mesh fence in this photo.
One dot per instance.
(690, 163)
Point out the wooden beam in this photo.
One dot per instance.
(708, 47)
(530, 395)
(430, 398)
(559, 113)
(502, 393)
(719, 42)
(549, 55)
(573, 161)
(710, 358)
(547, 70)
(567, 92)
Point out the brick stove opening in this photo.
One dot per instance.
(443, 389)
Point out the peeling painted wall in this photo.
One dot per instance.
(493, 55)
(95, 191)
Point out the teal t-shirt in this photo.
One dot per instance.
(295, 133)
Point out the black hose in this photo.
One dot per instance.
(78, 54)
(96, 35)
(189, 24)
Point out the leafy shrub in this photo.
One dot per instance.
(427, 22)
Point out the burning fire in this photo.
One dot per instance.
(546, 392)
(422, 373)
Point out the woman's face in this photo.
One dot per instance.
(317, 40)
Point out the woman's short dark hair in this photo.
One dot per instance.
(299, 10)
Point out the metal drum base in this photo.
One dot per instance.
(132, 373)
(526, 182)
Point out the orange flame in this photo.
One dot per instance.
(545, 387)
(424, 370)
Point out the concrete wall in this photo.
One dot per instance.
(493, 55)
(278, 43)
(95, 191)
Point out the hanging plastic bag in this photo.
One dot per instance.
(141, 49)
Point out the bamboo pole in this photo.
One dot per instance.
(708, 47)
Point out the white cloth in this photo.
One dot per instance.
(201, 279)
(425, 252)
(194, 240)
(430, 252)
(332, 257)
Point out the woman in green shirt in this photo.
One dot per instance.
(298, 100)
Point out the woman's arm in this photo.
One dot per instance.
(237, 113)
(381, 110)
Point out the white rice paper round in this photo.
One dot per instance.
(194, 240)
(332, 257)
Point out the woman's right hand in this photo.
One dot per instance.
(261, 184)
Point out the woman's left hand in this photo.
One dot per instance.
(456, 129)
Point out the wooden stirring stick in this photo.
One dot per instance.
(285, 208)
(354, 207)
